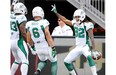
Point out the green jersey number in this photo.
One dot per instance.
(79, 32)
(35, 32)
(13, 26)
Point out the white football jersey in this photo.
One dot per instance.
(14, 27)
(64, 31)
(36, 29)
(21, 18)
(15, 21)
(81, 34)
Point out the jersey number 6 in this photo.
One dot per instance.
(35, 32)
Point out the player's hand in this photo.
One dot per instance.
(54, 52)
(54, 8)
(14, 2)
(33, 51)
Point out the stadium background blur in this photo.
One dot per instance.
(63, 7)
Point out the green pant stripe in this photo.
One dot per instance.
(21, 46)
(16, 62)
(25, 63)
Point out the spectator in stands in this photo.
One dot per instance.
(62, 29)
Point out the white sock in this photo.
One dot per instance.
(93, 69)
(73, 72)
(14, 68)
(24, 69)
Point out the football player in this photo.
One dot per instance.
(38, 36)
(83, 31)
(18, 38)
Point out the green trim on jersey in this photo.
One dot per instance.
(21, 46)
(87, 37)
(43, 29)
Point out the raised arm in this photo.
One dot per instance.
(64, 19)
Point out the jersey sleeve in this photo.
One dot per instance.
(89, 26)
(27, 26)
(45, 23)
(21, 19)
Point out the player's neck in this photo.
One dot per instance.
(37, 18)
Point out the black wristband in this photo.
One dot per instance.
(53, 48)
(32, 46)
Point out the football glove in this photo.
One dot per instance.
(54, 8)
(33, 51)
(54, 52)
(96, 55)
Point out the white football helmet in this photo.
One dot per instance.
(96, 55)
(20, 8)
(81, 13)
(38, 11)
